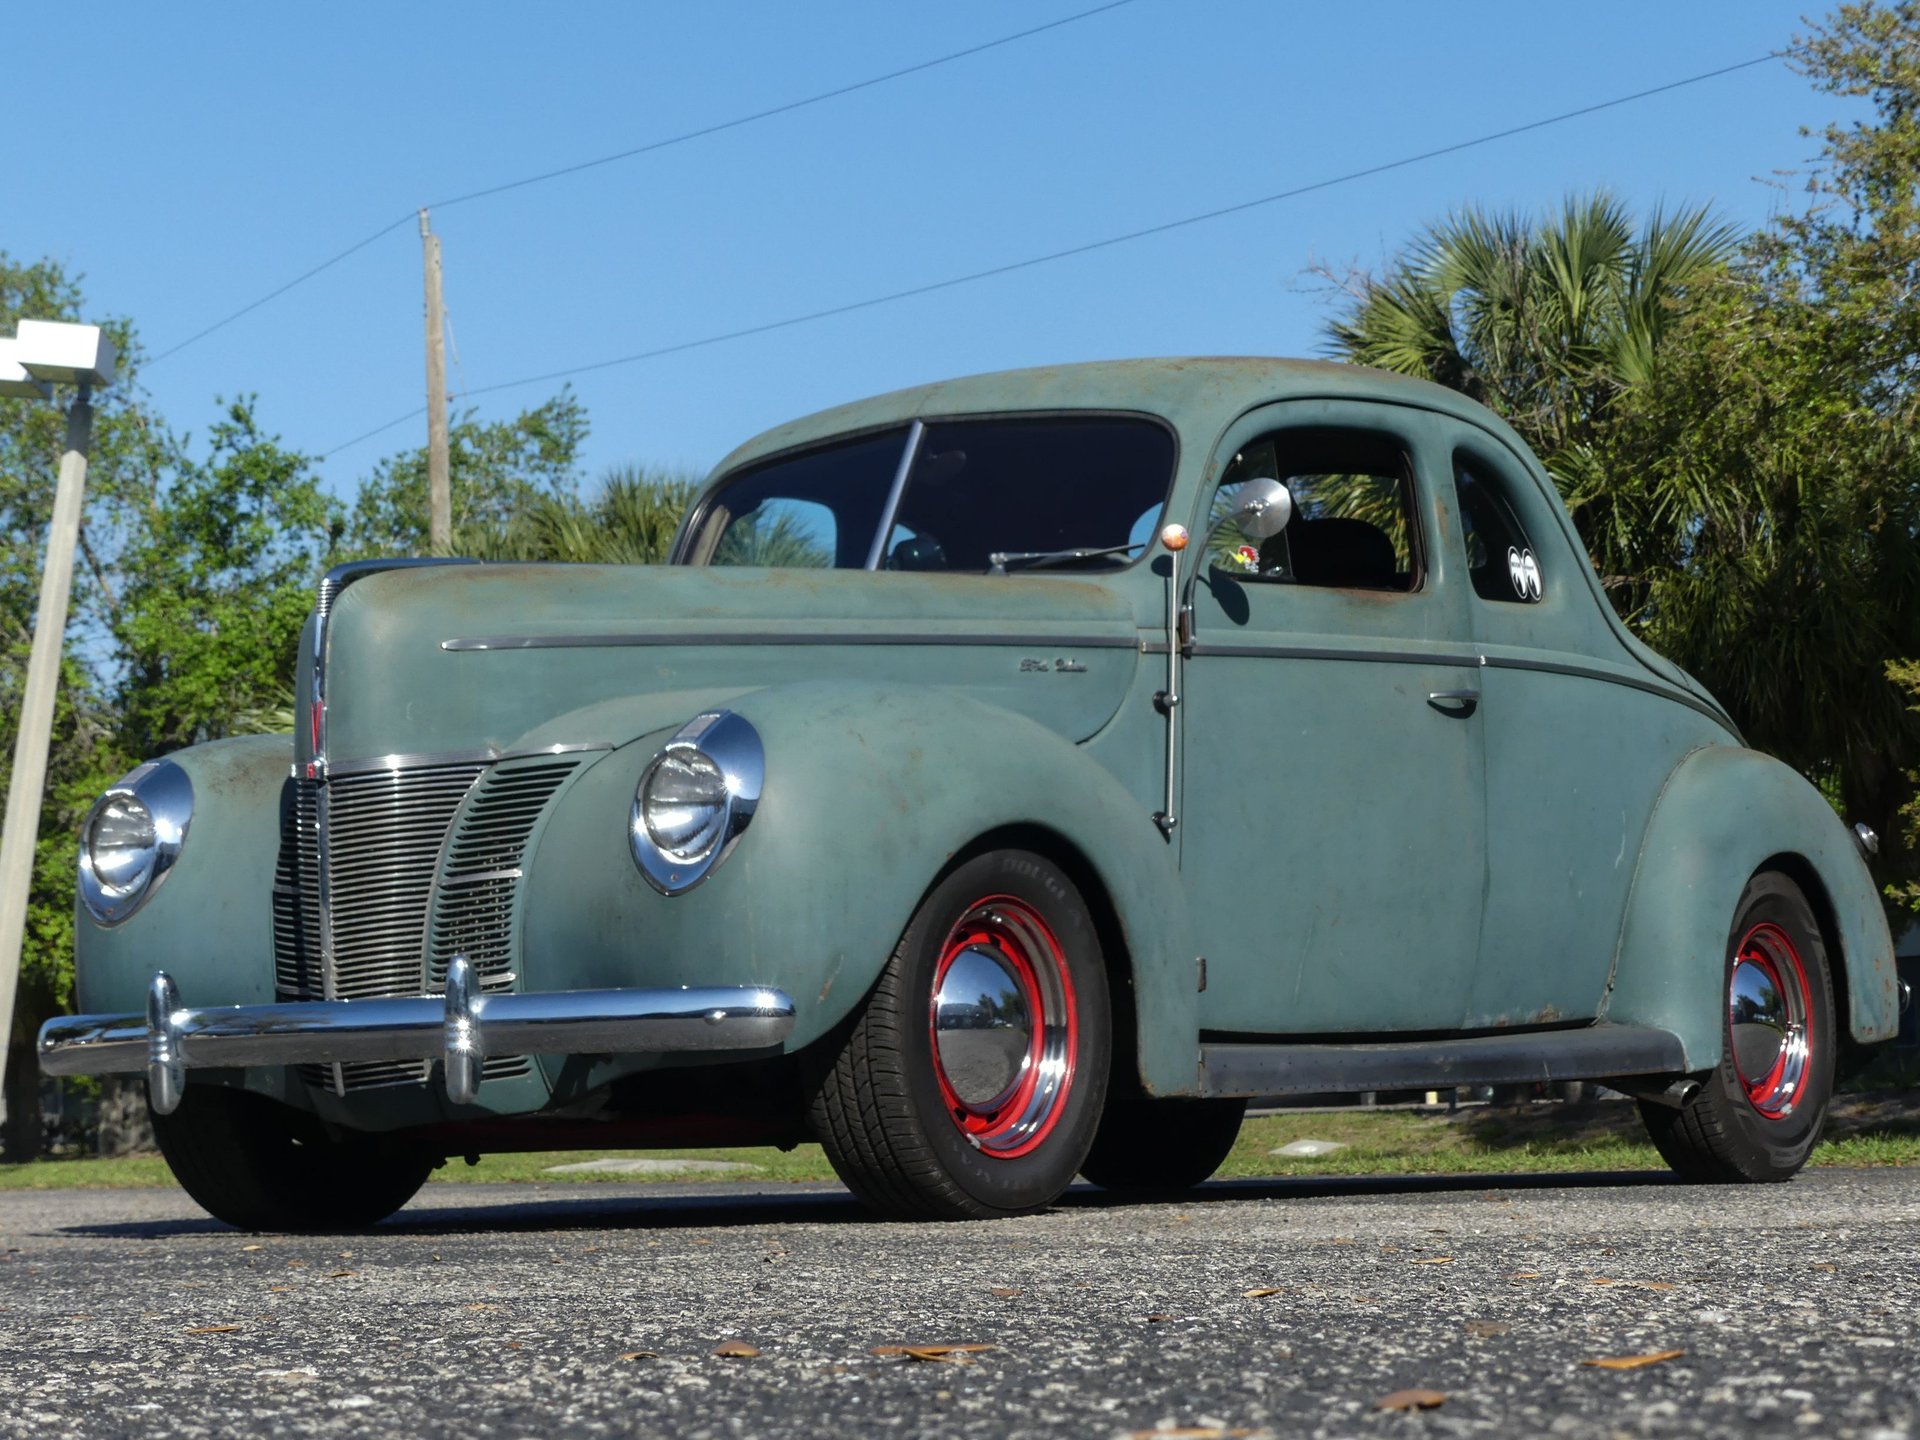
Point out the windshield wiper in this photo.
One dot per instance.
(999, 560)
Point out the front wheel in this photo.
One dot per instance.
(260, 1165)
(1758, 1115)
(971, 1082)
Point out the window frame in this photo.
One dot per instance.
(693, 543)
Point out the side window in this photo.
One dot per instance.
(1500, 558)
(780, 534)
(1353, 515)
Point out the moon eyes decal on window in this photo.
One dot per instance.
(1524, 571)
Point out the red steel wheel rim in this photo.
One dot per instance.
(1004, 1027)
(1770, 1020)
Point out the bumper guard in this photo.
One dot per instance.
(462, 1030)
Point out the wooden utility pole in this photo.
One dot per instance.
(439, 491)
(29, 782)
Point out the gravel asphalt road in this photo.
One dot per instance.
(1283, 1308)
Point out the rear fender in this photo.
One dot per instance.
(1724, 814)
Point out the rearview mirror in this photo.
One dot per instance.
(1262, 508)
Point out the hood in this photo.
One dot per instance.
(454, 658)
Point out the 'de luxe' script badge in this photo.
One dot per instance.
(1031, 666)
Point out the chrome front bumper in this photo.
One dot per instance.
(462, 1030)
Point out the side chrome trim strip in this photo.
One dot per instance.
(1665, 689)
(1324, 652)
(775, 637)
(485, 756)
(461, 1027)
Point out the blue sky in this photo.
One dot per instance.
(191, 158)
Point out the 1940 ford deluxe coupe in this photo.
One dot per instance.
(1005, 779)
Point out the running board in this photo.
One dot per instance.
(1594, 1053)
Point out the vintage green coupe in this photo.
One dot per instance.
(1005, 779)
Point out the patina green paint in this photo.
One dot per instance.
(1724, 813)
(1597, 827)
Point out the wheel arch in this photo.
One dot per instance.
(1115, 952)
(1725, 815)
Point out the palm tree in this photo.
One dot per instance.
(1547, 323)
(632, 521)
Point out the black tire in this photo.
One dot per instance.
(893, 1120)
(260, 1165)
(1746, 1126)
(1147, 1147)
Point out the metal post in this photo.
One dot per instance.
(439, 483)
(29, 781)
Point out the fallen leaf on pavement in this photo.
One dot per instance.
(1634, 1362)
(735, 1350)
(1600, 1280)
(1524, 1275)
(1654, 1285)
(1830, 1269)
(1188, 1432)
(1487, 1329)
(640, 1355)
(1002, 1292)
(1432, 1260)
(958, 1353)
(253, 1247)
(482, 1305)
(341, 1274)
(212, 1329)
(1158, 1319)
(1410, 1400)
(1259, 1294)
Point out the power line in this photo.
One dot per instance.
(1083, 249)
(785, 109)
(646, 149)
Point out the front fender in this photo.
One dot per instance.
(1724, 813)
(870, 791)
(210, 925)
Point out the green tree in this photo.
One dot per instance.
(498, 472)
(218, 581)
(85, 753)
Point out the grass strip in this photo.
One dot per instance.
(1539, 1139)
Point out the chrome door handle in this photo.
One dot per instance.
(1455, 702)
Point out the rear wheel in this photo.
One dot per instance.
(260, 1165)
(1759, 1114)
(971, 1082)
(1150, 1147)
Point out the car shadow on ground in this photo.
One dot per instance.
(717, 1206)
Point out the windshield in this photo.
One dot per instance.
(957, 496)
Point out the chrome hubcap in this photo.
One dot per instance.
(1768, 1020)
(982, 1027)
(1004, 1027)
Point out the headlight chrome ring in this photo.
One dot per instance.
(131, 838)
(695, 799)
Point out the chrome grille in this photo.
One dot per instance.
(472, 913)
(422, 863)
(384, 830)
(296, 894)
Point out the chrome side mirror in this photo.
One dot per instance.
(1262, 508)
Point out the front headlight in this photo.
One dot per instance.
(131, 838)
(695, 799)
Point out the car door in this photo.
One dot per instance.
(1579, 741)
(1333, 821)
